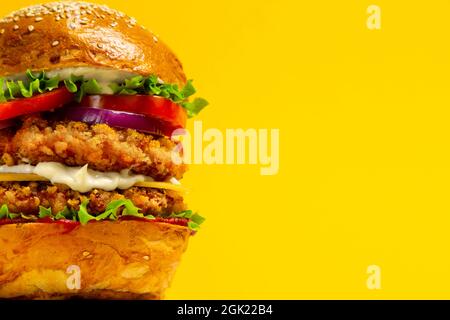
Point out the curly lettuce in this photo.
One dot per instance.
(152, 86)
(38, 83)
(195, 220)
(82, 215)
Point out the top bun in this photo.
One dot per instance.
(80, 34)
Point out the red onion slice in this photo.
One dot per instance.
(118, 119)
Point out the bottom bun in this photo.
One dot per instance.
(101, 260)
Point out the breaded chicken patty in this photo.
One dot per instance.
(27, 197)
(100, 146)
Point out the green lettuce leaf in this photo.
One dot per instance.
(90, 86)
(111, 212)
(193, 226)
(187, 214)
(39, 82)
(71, 86)
(83, 215)
(66, 213)
(36, 83)
(4, 213)
(152, 86)
(198, 219)
(12, 90)
(194, 107)
(2, 92)
(188, 90)
(45, 212)
(129, 209)
(195, 219)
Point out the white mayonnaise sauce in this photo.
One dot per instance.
(80, 179)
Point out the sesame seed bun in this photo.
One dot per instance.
(116, 259)
(79, 34)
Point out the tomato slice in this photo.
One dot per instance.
(41, 102)
(154, 107)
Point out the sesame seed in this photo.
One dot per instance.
(30, 28)
(146, 258)
(100, 45)
(16, 27)
(155, 39)
(86, 253)
(72, 26)
(2, 31)
(55, 43)
(72, 10)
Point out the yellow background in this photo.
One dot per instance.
(364, 153)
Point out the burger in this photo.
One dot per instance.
(90, 200)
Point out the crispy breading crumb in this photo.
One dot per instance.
(26, 197)
(7, 159)
(102, 147)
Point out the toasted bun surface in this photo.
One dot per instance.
(116, 260)
(78, 34)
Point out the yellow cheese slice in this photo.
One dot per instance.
(20, 177)
(9, 177)
(160, 185)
